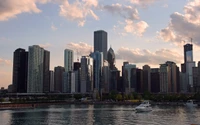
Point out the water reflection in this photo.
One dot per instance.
(99, 115)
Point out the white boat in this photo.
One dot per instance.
(144, 107)
(190, 103)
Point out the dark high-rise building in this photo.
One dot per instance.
(100, 42)
(77, 66)
(146, 78)
(20, 70)
(77, 70)
(188, 54)
(139, 77)
(58, 78)
(111, 58)
(114, 79)
(178, 79)
(155, 80)
(46, 78)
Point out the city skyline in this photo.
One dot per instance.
(57, 31)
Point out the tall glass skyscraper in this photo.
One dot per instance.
(86, 74)
(189, 63)
(97, 68)
(68, 60)
(35, 69)
(100, 42)
(20, 70)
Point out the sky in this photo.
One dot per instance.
(139, 31)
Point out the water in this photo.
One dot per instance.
(100, 115)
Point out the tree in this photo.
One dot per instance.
(119, 97)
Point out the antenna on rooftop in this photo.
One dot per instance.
(191, 40)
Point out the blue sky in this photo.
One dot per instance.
(140, 31)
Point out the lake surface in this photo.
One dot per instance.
(100, 115)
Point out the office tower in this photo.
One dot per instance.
(97, 69)
(58, 78)
(114, 80)
(111, 58)
(100, 42)
(86, 74)
(139, 77)
(164, 77)
(68, 60)
(35, 69)
(77, 71)
(155, 80)
(129, 78)
(105, 77)
(168, 77)
(195, 77)
(51, 74)
(20, 70)
(146, 78)
(178, 79)
(183, 82)
(69, 82)
(188, 64)
(46, 79)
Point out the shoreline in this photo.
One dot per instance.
(29, 105)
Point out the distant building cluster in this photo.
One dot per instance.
(97, 73)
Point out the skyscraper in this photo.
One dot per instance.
(20, 70)
(46, 79)
(97, 68)
(35, 69)
(111, 58)
(188, 64)
(68, 60)
(86, 74)
(100, 42)
(58, 78)
(146, 78)
(129, 78)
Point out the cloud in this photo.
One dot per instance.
(4, 62)
(132, 23)
(184, 26)
(146, 56)
(142, 3)
(11, 8)
(127, 12)
(81, 48)
(78, 10)
(53, 27)
(165, 5)
(136, 28)
(46, 45)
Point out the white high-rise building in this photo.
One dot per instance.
(68, 60)
(86, 74)
(35, 69)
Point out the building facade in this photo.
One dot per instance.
(100, 42)
(97, 69)
(58, 78)
(35, 69)
(46, 79)
(87, 74)
(68, 60)
(20, 71)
